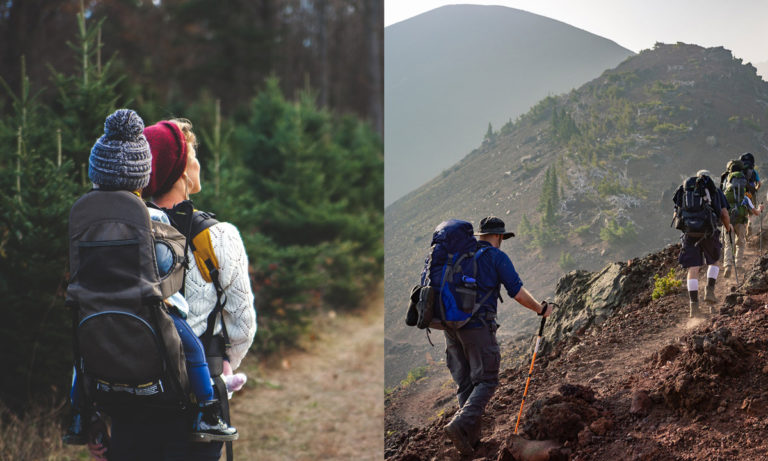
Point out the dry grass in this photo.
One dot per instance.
(324, 403)
(36, 435)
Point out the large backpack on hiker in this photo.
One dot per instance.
(127, 350)
(736, 189)
(733, 165)
(447, 293)
(694, 214)
(748, 160)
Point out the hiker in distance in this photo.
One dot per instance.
(699, 207)
(175, 175)
(737, 189)
(472, 353)
(753, 185)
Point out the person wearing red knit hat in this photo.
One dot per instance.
(174, 153)
(175, 176)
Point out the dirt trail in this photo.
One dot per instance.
(611, 360)
(323, 403)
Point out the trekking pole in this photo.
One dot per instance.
(533, 360)
(760, 235)
(733, 257)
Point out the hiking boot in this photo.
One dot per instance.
(209, 426)
(75, 434)
(473, 434)
(459, 438)
(694, 312)
(709, 296)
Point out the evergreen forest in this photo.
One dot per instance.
(285, 99)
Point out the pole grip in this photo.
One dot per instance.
(541, 327)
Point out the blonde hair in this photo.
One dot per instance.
(186, 128)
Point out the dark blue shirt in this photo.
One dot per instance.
(494, 268)
(720, 202)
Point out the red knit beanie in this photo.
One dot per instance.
(169, 157)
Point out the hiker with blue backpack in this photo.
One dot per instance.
(459, 290)
(700, 207)
(738, 186)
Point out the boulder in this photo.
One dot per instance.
(519, 449)
(641, 403)
(590, 298)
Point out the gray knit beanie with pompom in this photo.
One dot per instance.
(121, 159)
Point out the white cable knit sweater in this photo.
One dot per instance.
(239, 312)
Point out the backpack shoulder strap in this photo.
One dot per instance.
(491, 291)
(201, 245)
(208, 265)
(195, 225)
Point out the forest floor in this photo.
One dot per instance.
(322, 401)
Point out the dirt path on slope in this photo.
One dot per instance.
(626, 348)
(607, 362)
(323, 403)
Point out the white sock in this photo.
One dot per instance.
(712, 272)
(693, 284)
(235, 382)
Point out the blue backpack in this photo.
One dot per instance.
(448, 294)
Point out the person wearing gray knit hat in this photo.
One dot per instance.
(120, 159)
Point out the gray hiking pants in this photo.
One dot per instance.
(473, 358)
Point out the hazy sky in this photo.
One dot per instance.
(739, 25)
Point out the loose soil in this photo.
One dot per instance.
(649, 383)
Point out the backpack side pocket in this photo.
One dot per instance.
(425, 307)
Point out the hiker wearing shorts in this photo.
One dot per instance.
(472, 352)
(697, 251)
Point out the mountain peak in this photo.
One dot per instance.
(451, 71)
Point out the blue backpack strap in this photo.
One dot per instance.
(490, 292)
(474, 263)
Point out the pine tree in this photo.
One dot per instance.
(489, 133)
(85, 99)
(35, 196)
(314, 216)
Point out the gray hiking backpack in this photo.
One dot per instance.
(126, 347)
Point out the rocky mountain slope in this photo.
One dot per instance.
(585, 178)
(452, 70)
(633, 379)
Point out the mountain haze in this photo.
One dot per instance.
(762, 69)
(452, 70)
(608, 156)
